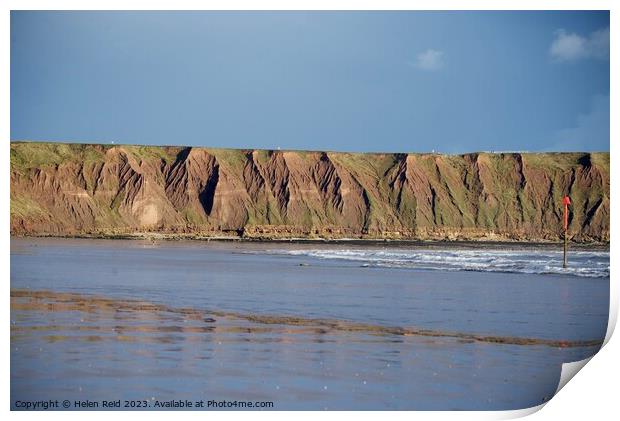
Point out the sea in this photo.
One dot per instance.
(349, 325)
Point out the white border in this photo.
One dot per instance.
(592, 394)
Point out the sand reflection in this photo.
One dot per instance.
(135, 320)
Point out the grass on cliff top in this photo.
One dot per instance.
(566, 160)
(26, 155)
(601, 159)
(145, 153)
(375, 165)
(234, 159)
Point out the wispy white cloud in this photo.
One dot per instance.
(429, 60)
(590, 132)
(570, 46)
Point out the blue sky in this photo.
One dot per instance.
(354, 81)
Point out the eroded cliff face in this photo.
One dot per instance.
(71, 189)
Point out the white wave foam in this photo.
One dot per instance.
(590, 264)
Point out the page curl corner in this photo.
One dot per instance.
(569, 370)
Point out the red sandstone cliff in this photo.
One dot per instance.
(70, 189)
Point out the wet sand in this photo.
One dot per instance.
(47, 301)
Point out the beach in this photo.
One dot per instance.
(304, 326)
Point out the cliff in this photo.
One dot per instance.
(76, 189)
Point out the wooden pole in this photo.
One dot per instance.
(565, 248)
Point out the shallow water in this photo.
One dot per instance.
(528, 260)
(285, 323)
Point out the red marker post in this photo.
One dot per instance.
(565, 202)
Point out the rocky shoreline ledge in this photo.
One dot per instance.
(157, 237)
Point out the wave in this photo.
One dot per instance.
(589, 264)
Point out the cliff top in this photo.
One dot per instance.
(32, 154)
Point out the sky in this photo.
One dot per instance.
(450, 82)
